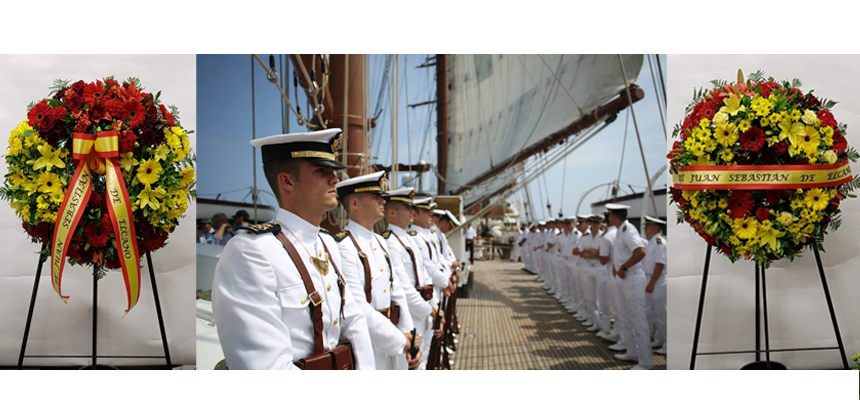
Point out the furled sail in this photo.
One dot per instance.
(502, 104)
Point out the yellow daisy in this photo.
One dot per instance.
(816, 199)
(726, 135)
(745, 228)
(49, 183)
(147, 172)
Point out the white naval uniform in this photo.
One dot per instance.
(569, 242)
(262, 308)
(528, 259)
(592, 274)
(613, 290)
(422, 239)
(655, 253)
(388, 340)
(633, 294)
(515, 250)
(420, 309)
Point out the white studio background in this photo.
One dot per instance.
(66, 329)
(797, 309)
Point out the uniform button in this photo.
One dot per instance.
(384, 290)
(335, 321)
(328, 288)
(374, 248)
(380, 270)
(304, 301)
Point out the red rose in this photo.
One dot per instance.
(78, 87)
(780, 148)
(73, 100)
(839, 144)
(763, 214)
(753, 139)
(812, 101)
(773, 197)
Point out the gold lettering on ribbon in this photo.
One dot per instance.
(761, 177)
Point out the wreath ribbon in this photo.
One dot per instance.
(761, 177)
(97, 154)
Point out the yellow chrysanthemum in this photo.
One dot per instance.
(727, 155)
(816, 199)
(49, 217)
(744, 125)
(147, 172)
(745, 228)
(795, 115)
(761, 106)
(732, 105)
(723, 203)
(726, 135)
(826, 135)
(42, 203)
(187, 175)
(15, 146)
(25, 212)
(49, 183)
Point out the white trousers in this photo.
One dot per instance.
(655, 307)
(633, 307)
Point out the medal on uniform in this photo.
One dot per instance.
(321, 264)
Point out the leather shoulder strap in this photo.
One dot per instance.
(313, 295)
(341, 283)
(368, 289)
(412, 257)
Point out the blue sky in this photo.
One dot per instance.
(225, 127)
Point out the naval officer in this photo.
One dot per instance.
(628, 251)
(278, 296)
(370, 275)
(654, 266)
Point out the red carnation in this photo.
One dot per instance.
(78, 87)
(37, 113)
(839, 144)
(116, 109)
(763, 214)
(93, 93)
(126, 142)
(773, 197)
(827, 118)
(753, 139)
(96, 200)
(113, 264)
(726, 249)
(780, 148)
(135, 112)
(811, 101)
(708, 238)
(740, 205)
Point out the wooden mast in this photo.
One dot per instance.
(442, 100)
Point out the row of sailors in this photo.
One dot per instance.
(288, 294)
(597, 272)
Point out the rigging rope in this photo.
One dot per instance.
(621, 163)
(284, 96)
(659, 99)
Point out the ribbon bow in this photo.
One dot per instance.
(96, 154)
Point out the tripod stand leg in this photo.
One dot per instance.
(158, 311)
(764, 303)
(830, 307)
(30, 312)
(701, 307)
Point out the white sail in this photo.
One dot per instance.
(501, 104)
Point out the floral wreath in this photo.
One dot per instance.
(97, 162)
(760, 168)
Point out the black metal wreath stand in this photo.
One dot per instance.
(94, 355)
(761, 296)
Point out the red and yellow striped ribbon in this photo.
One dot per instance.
(96, 154)
(761, 177)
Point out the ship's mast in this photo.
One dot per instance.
(442, 100)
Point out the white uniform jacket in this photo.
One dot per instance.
(420, 308)
(387, 338)
(261, 306)
(655, 253)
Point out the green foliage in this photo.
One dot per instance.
(698, 96)
(59, 84)
(719, 82)
(796, 83)
(756, 77)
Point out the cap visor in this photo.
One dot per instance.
(326, 163)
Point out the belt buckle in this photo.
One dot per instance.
(316, 294)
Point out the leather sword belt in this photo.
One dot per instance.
(341, 357)
(392, 313)
(426, 292)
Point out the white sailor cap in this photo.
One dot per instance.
(453, 218)
(439, 213)
(318, 147)
(405, 195)
(424, 203)
(651, 220)
(542, 223)
(370, 183)
(612, 207)
(582, 218)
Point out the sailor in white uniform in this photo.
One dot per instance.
(577, 271)
(594, 278)
(263, 301)
(369, 273)
(423, 239)
(628, 252)
(654, 266)
(409, 265)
